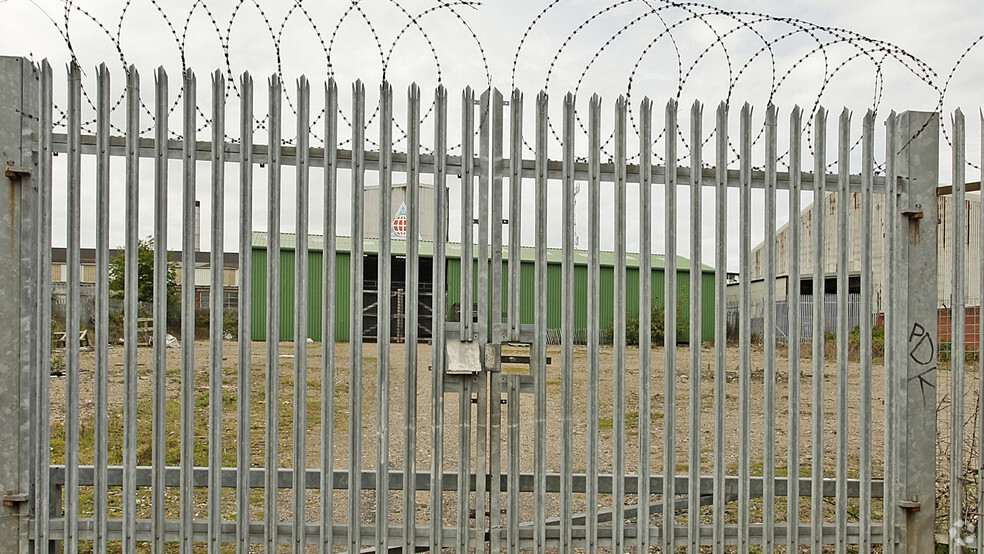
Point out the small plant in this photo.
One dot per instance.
(201, 323)
(878, 341)
(657, 324)
(632, 330)
(57, 363)
(115, 325)
(854, 343)
(230, 323)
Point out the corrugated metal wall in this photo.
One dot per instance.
(454, 294)
(287, 295)
(971, 246)
(945, 245)
(606, 316)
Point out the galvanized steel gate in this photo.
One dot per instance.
(538, 458)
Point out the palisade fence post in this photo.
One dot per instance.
(19, 228)
(918, 170)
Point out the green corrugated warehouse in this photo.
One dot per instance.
(453, 250)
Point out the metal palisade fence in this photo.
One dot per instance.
(449, 444)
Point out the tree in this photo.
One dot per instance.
(145, 277)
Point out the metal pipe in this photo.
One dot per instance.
(867, 172)
(980, 368)
(843, 234)
(412, 316)
(130, 313)
(745, 337)
(465, 310)
(482, 281)
(539, 365)
(100, 437)
(245, 342)
(301, 294)
(620, 304)
(437, 325)
(272, 394)
(216, 263)
(891, 352)
(567, 333)
(696, 329)
(495, 406)
(819, 244)
(645, 319)
(958, 332)
(515, 212)
(384, 313)
(355, 316)
(795, 325)
(42, 505)
(720, 327)
(188, 311)
(594, 306)
(329, 268)
(467, 213)
(769, 335)
(670, 294)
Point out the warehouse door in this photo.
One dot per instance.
(397, 299)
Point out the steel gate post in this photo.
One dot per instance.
(19, 228)
(918, 169)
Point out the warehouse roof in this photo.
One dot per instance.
(453, 250)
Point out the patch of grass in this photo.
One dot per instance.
(631, 420)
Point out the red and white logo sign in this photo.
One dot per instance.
(399, 228)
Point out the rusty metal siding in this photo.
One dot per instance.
(972, 247)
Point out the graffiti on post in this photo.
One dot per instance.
(922, 350)
(921, 347)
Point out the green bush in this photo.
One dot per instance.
(115, 326)
(230, 324)
(656, 331)
(945, 354)
(203, 318)
(878, 341)
(201, 323)
(854, 343)
(57, 363)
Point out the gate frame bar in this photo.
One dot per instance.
(20, 225)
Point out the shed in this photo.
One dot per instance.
(453, 255)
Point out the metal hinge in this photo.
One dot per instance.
(10, 499)
(915, 212)
(912, 505)
(16, 171)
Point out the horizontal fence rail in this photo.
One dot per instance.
(260, 154)
(505, 419)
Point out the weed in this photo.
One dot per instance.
(657, 332)
(58, 363)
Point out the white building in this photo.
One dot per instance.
(808, 256)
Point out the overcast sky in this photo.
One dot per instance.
(879, 54)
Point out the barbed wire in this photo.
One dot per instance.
(757, 49)
(276, 31)
(726, 23)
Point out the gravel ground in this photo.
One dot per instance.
(396, 405)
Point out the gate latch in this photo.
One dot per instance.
(911, 505)
(11, 499)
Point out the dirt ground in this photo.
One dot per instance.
(423, 399)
